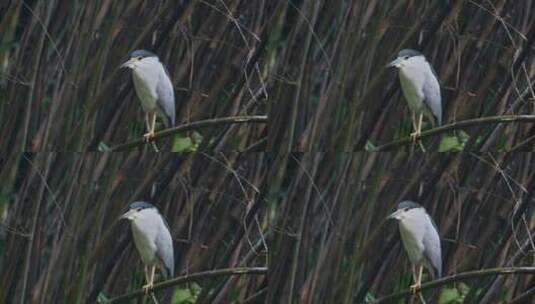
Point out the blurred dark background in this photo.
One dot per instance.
(335, 246)
(62, 89)
(61, 241)
(317, 68)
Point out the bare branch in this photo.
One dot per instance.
(458, 125)
(193, 126)
(460, 277)
(191, 278)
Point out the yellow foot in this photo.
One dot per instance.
(148, 288)
(148, 136)
(415, 288)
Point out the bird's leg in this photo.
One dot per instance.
(154, 123)
(414, 127)
(147, 122)
(146, 274)
(151, 123)
(419, 275)
(152, 132)
(420, 120)
(418, 128)
(150, 281)
(414, 278)
(418, 284)
(420, 131)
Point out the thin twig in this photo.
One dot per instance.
(524, 298)
(527, 144)
(154, 298)
(191, 278)
(458, 125)
(460, 277)
(193, 126)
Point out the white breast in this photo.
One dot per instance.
(412, 233)
(413, 246)
(145, 76)
(145, 235)
(409, 75)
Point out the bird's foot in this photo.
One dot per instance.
(148, 288)
(414, 136)
(148, 136)
(415, 288)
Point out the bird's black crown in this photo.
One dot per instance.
(142, 54)
(409, 53)
(407, 205)
(141, 205)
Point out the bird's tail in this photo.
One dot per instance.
(436, 272)
(169, 121)
(436, 121)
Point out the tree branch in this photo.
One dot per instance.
(192, 126)
(458, 125)
(460, 277)
(191, 278)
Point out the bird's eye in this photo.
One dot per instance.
(406, 57)
(139, 58)
(139, 209)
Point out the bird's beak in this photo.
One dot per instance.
(128, 64)
(128, 215)
(394, 215)
(394, 63)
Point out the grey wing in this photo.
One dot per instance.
(166, 97)
(165, 252)
(432, 96)
(433, 250)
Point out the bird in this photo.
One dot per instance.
(419, 235)
(152, 239)
(420, 86)
(153, 87)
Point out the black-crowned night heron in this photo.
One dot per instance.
(153, 87)
(152, 239)
(420, 238)
(420, 86)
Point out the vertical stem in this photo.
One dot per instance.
(295, 107)
(31, 89)
(34, 230)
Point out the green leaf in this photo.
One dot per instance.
(449, 143)
(454, 295)
(463, 136)
(370, 146)
(196, 137)
(370, 298)
(102, 298)
(450, 296)
(186, 295)
(183, 143)
(102, 147)
(453, 143)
